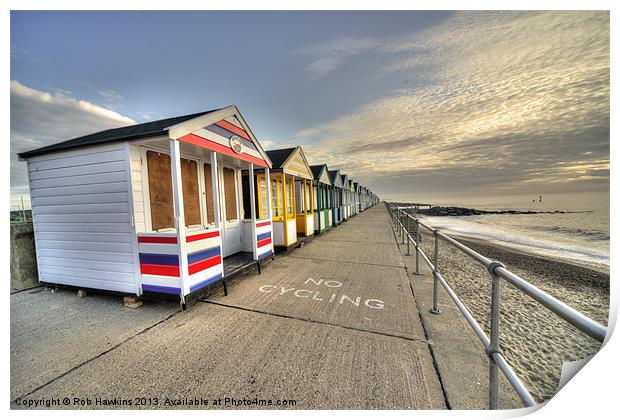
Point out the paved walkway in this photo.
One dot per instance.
(331, 325)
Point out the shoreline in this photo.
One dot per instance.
(473, 242)
(534, 340)
(514, 248)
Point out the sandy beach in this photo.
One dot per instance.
(535, 341)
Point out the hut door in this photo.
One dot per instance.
(230, 199)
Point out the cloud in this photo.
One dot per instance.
(42, 118)
(510, 101)
(110, 96)
(330, 56)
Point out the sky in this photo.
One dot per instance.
(414, 105)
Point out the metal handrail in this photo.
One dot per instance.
(497, 272)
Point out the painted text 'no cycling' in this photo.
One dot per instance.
(322, 295)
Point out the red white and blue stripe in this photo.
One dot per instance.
(159, 263)
(204, 259)
(264, 245)
(216, 137)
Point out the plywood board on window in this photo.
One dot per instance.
(160, 190)
(230, 193)
(191, 194)
(209, 194)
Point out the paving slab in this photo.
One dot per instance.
(346, 232)
(382, 254)
(52, 333)
(215, 352)
(367, 297)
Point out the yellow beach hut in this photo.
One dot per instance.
(291, 191)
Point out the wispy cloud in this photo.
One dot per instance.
(110, 96)
(41, 118)
(331, 55)
(513, 100)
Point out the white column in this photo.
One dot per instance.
(268, 180)
(269, 213)
(253, 211)
(215, 179)
(179, 213)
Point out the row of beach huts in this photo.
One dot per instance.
(176, 206)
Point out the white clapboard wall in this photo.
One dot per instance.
(82, 214)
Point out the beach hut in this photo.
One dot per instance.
(356, 197)
(337, 207)
(149, 208)
(323, 198)
(364, 198)
(344, 179)
(351, 198)
(292, 204)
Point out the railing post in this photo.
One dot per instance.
(408, 234)
(402, 226)
(417, 247)
(435, 310)
(494, 345)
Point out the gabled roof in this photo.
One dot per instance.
(279, 156)
(149, 129)
(175, 127)
(335, 178)
(291, 161)
(321, 173)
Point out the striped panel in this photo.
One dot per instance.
(160, 259)
(161, 284)
(225, 141)
(233, 128)
(264, 242)
(157, 239)
(205, 282)
(299, 168)
(262, 236)
(214, 128)
(200, 236)
(220, 148)
(149, 248)
(204, 277)
(204, 258)
(153, 288)
(204, 264)
(159, 264)
(197, 256)
(203, 244)
(265, 254)
(160, 270)
(158, 256)
(264, 245)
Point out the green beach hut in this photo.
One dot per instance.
(323, 198)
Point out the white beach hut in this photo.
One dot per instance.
(150, 208)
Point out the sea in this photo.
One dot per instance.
(580, 235)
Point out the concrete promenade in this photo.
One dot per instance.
(332, 325)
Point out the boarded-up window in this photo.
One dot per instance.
(160, 190)
(209, 194)
(230, 193)
(191, 195)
